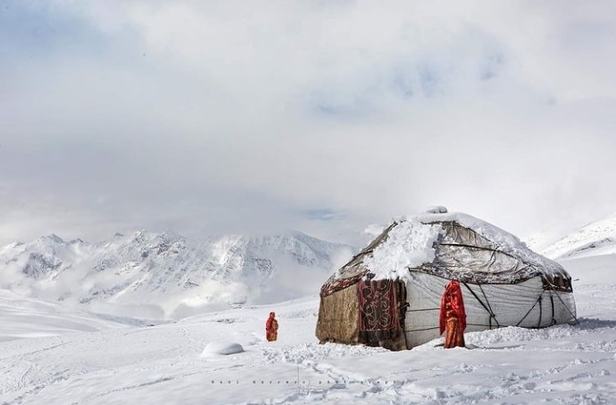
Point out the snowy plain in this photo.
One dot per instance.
(80, 358)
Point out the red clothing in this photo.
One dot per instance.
(453, 316)
(271, 328)
(454, 335)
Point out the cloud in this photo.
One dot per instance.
(209, 117)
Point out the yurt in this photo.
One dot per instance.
(389, 294)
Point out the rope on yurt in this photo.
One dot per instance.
(567, 308)
(422, 309)
(552, 301)
(436, 327)
(422, 330)
(492, 314)
(540, 310)
(531, 308)
(489, 310)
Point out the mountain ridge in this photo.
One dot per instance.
(166, 272)
(593, 239)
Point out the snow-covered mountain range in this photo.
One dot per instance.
(160, 275)
(594, 239)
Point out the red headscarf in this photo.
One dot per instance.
(453, 297)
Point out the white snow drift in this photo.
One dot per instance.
(221, 348)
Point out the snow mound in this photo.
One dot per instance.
(409, 244)
(221, 349)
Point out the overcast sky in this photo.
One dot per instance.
(207, 117)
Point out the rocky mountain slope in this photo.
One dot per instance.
(161, 275)
(594, 239)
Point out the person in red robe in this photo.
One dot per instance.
(453, 316)
(271, 328)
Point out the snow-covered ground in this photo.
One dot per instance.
(90, 360)
(26, 318)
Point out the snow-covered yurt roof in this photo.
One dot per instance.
(450, 245)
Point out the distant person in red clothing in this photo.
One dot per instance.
(271, 328)
(453, 315)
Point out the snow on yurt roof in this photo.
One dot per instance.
(408, 244)
(504, 240)
(413, 242)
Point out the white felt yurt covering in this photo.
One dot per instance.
(504, 283)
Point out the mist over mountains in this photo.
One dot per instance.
(167, 276)
(162, 275)
(594, 239)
